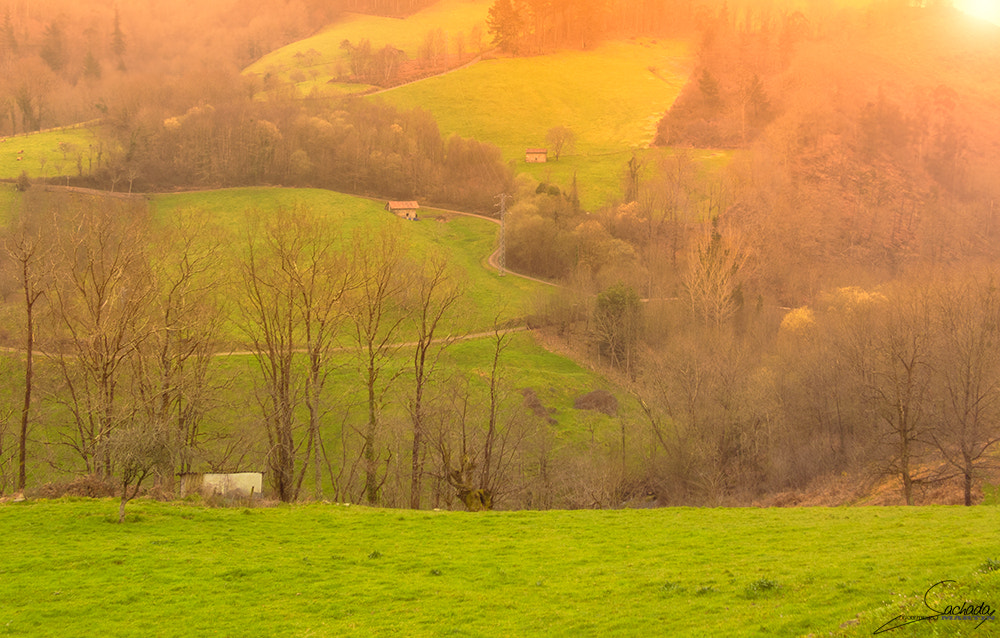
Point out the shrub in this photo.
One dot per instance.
(87, 486)
(599, 401)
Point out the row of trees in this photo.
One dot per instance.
(127, 329)
(355, 146)
(126, 343)
(898, 385)
(524, 27)
(904, 382)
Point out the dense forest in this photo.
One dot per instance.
(823, 305)
(807, 306)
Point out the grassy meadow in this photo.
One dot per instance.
(323, 570)
(47, 154)
(611, 97)
(466, 241)
(313, 62)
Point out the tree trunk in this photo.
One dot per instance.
(416, 471)
(371, 469)
(967, 480)
(26, 406)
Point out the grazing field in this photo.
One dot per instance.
(49, 153)
(311, 63)
(611, 98)
(466, 241)
(324, 570)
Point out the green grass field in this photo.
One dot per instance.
(328, 570)
(317, 57)
(47, 154)
(611, 98)
(467, 242)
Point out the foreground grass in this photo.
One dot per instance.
(181, 570)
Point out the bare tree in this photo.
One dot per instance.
(321, 282)
(892, 356)
(560, 139)
(270, 319)
(137, 452)
(186, 315)
(967, 376)
(102, 293)
(378, 261)
(475, 461)
(713, 280)
(436, 294)
(30, 255)
(296, 279)
(711, 409)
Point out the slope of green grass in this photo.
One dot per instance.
(611, 97)
(47, 154)
(319, 57)
(182, 570)
(467, 242)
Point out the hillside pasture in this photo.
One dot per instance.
(185, 570)
(466, 241)
(312, 63)
(48, 154)
(611, 98)
(488, 298)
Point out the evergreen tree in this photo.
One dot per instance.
(506, 25)
(9, 38)
(118, 41)
(91, 66)
(54, 47)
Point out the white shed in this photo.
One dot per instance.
(237, 484)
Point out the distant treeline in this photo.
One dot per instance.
(535, 26)
(356, 146)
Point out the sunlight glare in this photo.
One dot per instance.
(988, 10)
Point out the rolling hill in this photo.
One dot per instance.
(316, 62)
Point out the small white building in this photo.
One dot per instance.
(237, 484)
(536, 155)
(406, 210)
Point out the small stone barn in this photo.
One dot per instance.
(406, 210)
(536, 155)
